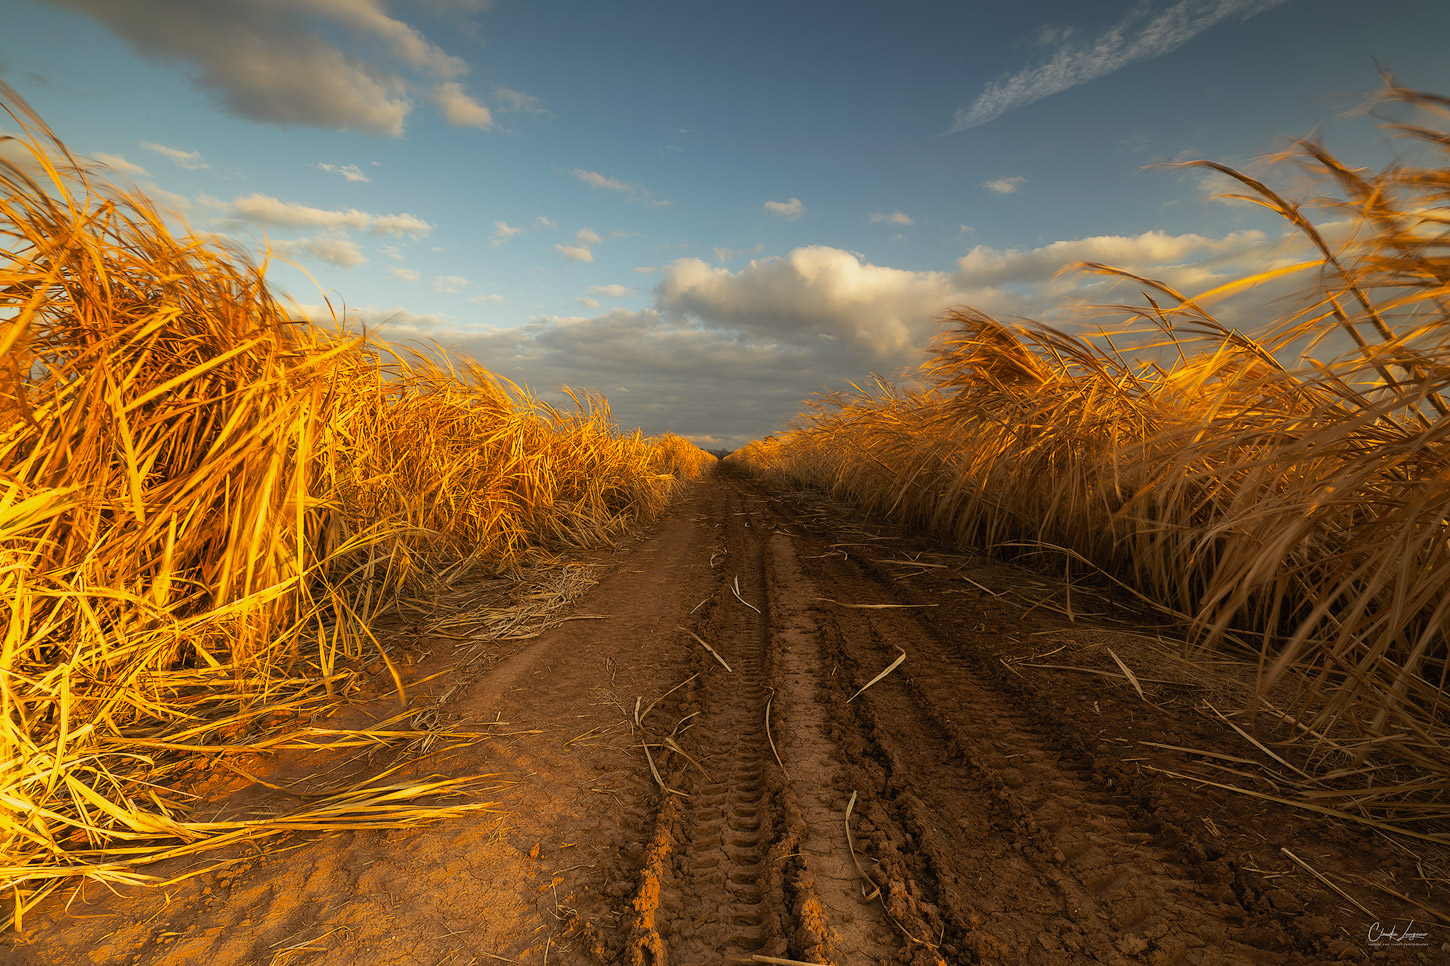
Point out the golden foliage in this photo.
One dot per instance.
(1305, 504)
(204, 504)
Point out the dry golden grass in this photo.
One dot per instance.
(204, 505)
(1302, 504)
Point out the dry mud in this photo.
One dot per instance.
(694, 775)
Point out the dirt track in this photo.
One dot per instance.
(1009, 802)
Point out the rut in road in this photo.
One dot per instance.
(746, 861)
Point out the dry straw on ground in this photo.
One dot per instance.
(1267, 486)
(204, 505)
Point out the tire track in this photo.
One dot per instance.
(714, 899)
(1033, 859)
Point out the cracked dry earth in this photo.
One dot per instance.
(673, 780)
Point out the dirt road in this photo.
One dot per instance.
(694, 775)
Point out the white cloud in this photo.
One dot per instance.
(636, 193)
(575, 253)
(731, 354)
(503, 231)
(588, 236)
(349, 171)
(1146, 32)
(897, 217)
(492, 299)
(614, 291)
(883, 311)
(120, 165)
(588, 301)
(645, 269)
(511, 100)
(191, 160)
(1004, 186)
(333, 249)
(458, 108)
(406, 274)
(542, 222)
(344, 64)
(451, 284)
(789, 210)
(260, 209)
(600, 181)
(1192, 261)
(391, 251)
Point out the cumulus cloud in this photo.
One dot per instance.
(731, 354)
(542, 222)
(810, 291)
(459, 109)
(490, 299)
(120, 165)
(897, 217)
(588, 236)
(451, 284)
(1148, 30)
(191, 160)
(503, 231)
(343, 64)
(614, 291)
(349, 171)
(333, 249)
(575, 253)
(265, 210)
(789, 210)
(405, 274)
(1004, 186)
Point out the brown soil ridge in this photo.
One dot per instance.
(1003, 813)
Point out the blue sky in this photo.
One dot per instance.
(709, 212)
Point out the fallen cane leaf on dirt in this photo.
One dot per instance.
(875, 889)
(1132, 678)
(655, 772)
(838, 603)
(742, 599)
(708, 648)
(889, 668)
(1312, 871)
(666, 695)
(771, 738)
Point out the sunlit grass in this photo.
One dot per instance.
(1298, 502)
(205, 504)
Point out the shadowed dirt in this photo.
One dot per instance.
(673, 769)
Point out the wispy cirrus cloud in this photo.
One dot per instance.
(635, 192)
(190, 160)
(897, 217)
(349, 171)
(1149, 30)
(267, 211)
(120, 165)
